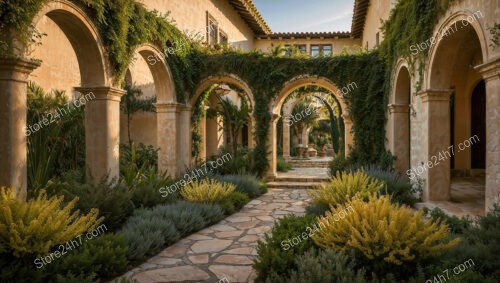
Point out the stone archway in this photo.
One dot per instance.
(102, 113)
(209, 136)
(287, 118)
(456, 63)
(161, 129)
(276, 105)
(398, 130)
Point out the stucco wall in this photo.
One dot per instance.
(142, 128)
(266, 45)
(190, 16)
(377, 11)
(59, 69)
(456, 69)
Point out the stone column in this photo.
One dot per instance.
(203, 131)
(167, 114)
(286, 137)
(102, 132)
(13, 150)
(348, 135)
(491, 74)
(305, 137)
(271, 156)
(436, 172)
(184, 138)
(399, 136)
(251, 132)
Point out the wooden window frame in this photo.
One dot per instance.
(211, 21)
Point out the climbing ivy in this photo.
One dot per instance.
(198, 113)
(266, 76)
(410, 23)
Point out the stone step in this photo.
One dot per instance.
(308, 164)
(293, 185)
(301, 179)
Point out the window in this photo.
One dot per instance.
(317, 50)
(288, 50)
(302, 48)
(212, 30)
(291, 49)
(327, 50)
(223, 39)
(377, 39)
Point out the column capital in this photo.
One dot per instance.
(347, 117)
(103, 92)
(168, 107)
(435, 95)
(275, 117)
(17, 69)
(185, 108)
(490, 70)
(398, 108)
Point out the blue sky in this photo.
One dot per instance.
(307, 15)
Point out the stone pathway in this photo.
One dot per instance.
(225, 251)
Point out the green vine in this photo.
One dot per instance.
(266, 76)
(410, 23)
(198, 113)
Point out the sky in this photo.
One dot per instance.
(307, 15)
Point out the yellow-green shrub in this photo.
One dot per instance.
(345, 186)
(207, 191)
(33, 227)
(381, 230)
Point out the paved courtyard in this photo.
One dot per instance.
(467, 197)
(223, 252)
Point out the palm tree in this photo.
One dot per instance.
(234, 118)
(304, 115)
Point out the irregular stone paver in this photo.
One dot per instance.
(226, 249)
(173, 274)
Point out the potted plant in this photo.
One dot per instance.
(321, 147)
(312, 152)
(301, 150)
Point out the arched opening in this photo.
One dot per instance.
(309, 127)
(399, 121)
(73, 63)
(150, 113)
(289, 90)
(478, 128)
(72, 36)
(148, 77)
(452, 78)
(222, 114)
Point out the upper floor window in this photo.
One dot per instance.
(223, 39)
(317, 50)
(212, 30)
(302, 48)
(327, 50)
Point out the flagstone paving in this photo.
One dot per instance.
(224, 251)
